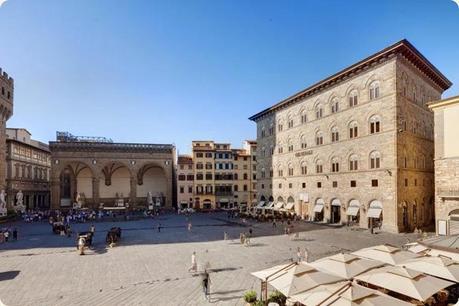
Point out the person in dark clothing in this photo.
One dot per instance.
(15, 234)
(206, 283)
(159, 228)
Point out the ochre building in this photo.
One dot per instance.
(446, 114)
(357, 147)
(95, 173)
(222, 177)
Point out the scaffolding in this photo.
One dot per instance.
(68, 137)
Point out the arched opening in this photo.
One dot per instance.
(262, 198)
(375, 215)
(453, 217)
(353, 212)
(115, 189)
(152, 179)
(206, 204)
(76, 187)
(335, 212)
(319, 210)
(405, 216)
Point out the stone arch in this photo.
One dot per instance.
(152, 177)
(116, 183)
(75, 177)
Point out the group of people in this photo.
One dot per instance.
(8, 234)
(35, 215)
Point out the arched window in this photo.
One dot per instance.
(353, 162)
(353, 130)
(304, 168)
(280, 125)
(263, 152)
(280, 171)
(290, 122)
(319, 111)
(319, 138)
(375, 160)
(335, 164)
(334, 134)
(280, 149)
(375, 124)
(303, 142)
(374, 90)
(271, 172)
(334, 106)
(263, 173)
(319, 166)
(263, 132)
(353, 98)
(290, 170)
(271, 150)
(304, 117)
(290, 145)
(271, 129)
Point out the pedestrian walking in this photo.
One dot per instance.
(274, 223)
(194, 263)
(6, 234)
(92, 229)
(189, 226)
(81, 243)
(306, 255)
(206, 284)
(250, 231)
(298, 254)
(15, 234)
(159, 228)
(225, 236)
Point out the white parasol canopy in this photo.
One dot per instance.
(297, 278)
(405, 281)
(441, 267)
(345, 265)
(386, 253)
(356, 295)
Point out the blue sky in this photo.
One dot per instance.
(173, 71)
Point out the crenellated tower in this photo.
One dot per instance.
(6, 111)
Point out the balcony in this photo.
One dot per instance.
(223, 193)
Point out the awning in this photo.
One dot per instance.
(336, 202)
(261, 204)
(224, 200)
(279, 205)
(318, 208)
(183, 202)
(269, 205)
(289, 206)
(352, 211)
(374, 212)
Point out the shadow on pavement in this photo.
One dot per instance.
(8, 275)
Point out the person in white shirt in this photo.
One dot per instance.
(194, 264)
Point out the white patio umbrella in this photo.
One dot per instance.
(298, 278)
(264, 274)
(345, 265)
(405, 281)
(418, 249)
(318, 294)
(441, 267)
(386, 253)
(356, 295)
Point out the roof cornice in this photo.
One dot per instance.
(403, 47)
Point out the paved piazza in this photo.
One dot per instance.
(151, 268)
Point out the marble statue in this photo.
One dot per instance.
(19, 198)
(149, 198)
(3, 210)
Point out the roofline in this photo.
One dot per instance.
(30, 145)
(444, 102)
(402, 45)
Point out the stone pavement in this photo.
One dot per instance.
(151, 268)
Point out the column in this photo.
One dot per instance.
(55, 193)
(95, 192)
(133, 194)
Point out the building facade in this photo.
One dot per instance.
(6, 111)
(94, 173)
(28, 165)
(446, 114)
(185, 181)
(223, 177)
(356, 147)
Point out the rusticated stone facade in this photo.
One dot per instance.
(111, 174)
(6, 111)
(446, 113)
(361, 138)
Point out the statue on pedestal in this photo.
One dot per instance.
(20, 202)
(3, 210)
(150, 200)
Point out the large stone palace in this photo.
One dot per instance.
(356, 147)
(95, 173)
